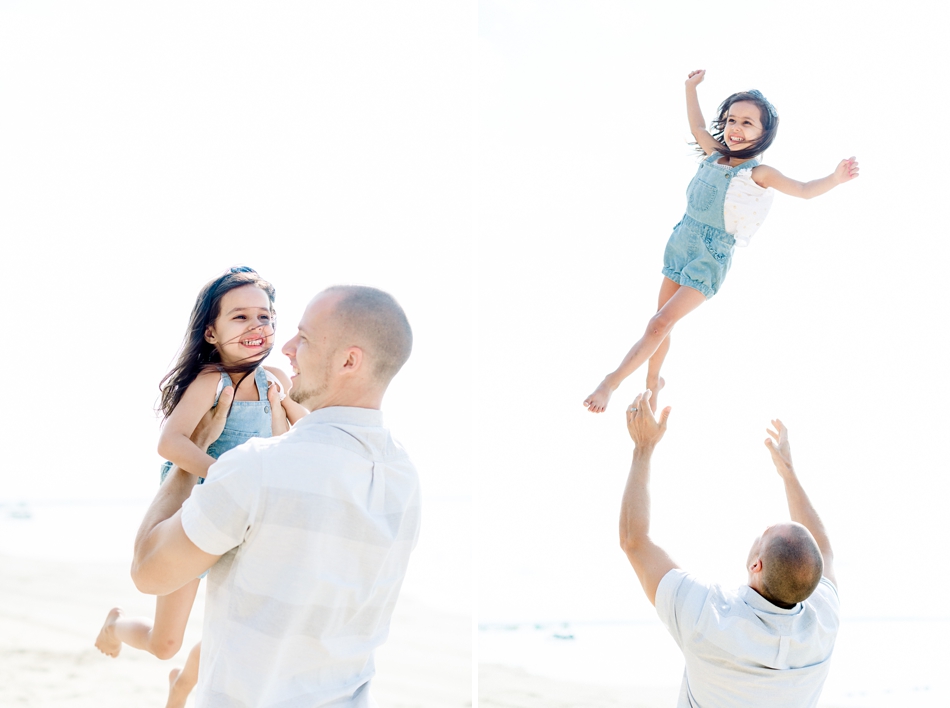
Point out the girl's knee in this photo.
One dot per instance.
(660, 324)
(164, 647)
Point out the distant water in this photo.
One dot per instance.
(72, 531)
(439, 569)
(876, 664)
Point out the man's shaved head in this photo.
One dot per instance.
(791, 565)
(372, 320)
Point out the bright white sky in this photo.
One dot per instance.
(146, 148)
(832, 320)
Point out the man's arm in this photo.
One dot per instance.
(649, 561)
(799, 505)
(165, 558)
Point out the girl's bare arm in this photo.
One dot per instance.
(175, 443)
(697, 126)
(766, 176)
(294, 410)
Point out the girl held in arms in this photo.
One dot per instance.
(726, 202)
(230, 333)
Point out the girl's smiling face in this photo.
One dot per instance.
(244, 328)
(743, 125)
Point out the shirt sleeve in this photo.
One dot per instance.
(679, 602)
(219, 513)
(827, 595)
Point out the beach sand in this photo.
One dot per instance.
(51, 612)
(507, 687)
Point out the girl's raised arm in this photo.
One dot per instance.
(697, 126)
(766, 176)
(175, 443)
(294, 410)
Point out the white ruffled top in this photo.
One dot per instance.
(747, 204)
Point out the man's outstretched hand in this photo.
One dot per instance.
(780, 449)
(644, 429)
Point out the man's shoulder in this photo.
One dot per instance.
(368, 441)
(682, 594)
(825, 597)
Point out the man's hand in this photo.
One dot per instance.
(649, 561)
(800, 508)
(642, 425)
(780, 449)
(212, 423)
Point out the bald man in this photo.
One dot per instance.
(768, 643)
(307, 534)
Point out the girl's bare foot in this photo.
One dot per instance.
(655, 388)
(597, 401)
(182, 681)
(177, 694)
(107, 642)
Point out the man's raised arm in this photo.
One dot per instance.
(799, 505)
(649, 561)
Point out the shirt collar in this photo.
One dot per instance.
(343, 415)
(760, 604)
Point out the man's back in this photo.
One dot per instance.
(741, 650)
(316, 527)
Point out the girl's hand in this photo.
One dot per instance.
(695, 78)
(846, 170)
(278, 418)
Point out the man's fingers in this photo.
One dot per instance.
(664, 415)
(227, 394)
(646, 409)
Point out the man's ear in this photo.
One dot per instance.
(756, 566)
(354, 360)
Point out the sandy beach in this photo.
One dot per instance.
(50, 614)
(507, 687)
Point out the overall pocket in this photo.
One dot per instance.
(718, 248)
(700, 194)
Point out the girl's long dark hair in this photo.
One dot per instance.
(196, 354)
(769, 125)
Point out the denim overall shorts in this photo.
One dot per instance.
(699, 252)
(247, 419)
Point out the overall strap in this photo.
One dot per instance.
(748, 165)
(260, 378)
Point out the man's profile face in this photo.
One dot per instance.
(311, 352)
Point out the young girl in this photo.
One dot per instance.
(726, 202)
(231, 331)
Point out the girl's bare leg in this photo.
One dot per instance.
(680, 304)
(163, 638)
(654, 381)
(182, 681)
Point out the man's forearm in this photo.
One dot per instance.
(635, 507)
(171, 495)
(176, 488)
(801, 511)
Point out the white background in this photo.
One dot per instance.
(833, 319)
(147, 148)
